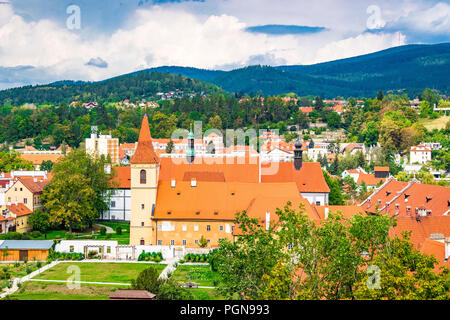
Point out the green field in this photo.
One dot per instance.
(50, 291)
(99, 272)
(12, 270)
(201, 274)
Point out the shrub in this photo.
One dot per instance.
(70, 236)
(103, 231)
(35, 234)
(39, 264)
(28, 270)
(118, 230)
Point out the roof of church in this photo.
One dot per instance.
(144, 152)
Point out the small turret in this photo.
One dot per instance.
(190, 152)
(298, 155)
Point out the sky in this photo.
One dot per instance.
(48, 40)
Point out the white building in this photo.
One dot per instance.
(313, 153)
(103, 145)
(419, 154)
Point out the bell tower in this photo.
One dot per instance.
(144, 186)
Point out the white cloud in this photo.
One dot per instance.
(359, 45)
(166, 35)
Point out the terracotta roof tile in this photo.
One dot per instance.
(308, 179)
(122, 177)
(19, 209)
(208, 198)
(144, 152)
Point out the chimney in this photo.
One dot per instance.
(267, 220)
(298, 155)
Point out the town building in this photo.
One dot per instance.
(178, 202)
(27, 191)
(103, 145)
(420, 154)
(25, 250)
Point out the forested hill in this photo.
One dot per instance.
(130, 86)
(405, 69)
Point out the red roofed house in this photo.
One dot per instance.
(15, 218)
(420, 154)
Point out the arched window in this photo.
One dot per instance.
(143, 177)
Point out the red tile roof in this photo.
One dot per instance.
(233, 171)
(369, 179)
(34, 186)
(19, 209)
(381, 169)
(122, 177)
(144, 152)
(436, 249)
(36, 159)
(208, 198)
(308, 179)
(403, 199)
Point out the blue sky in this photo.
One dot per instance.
(38, 41)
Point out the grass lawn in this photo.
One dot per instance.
(198, 274)
(205, 294)
(50, 291)
(122, 239)
(99, 272)
(113, 224)
(16, 270)
(438, 123)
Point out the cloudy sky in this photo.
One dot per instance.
(48, 40)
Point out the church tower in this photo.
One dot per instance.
(144, 186)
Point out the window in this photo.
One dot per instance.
(142, 242)
(172, 242)
(317, 203)
(71, 249)
(142, 206)
(159, 242)
(184, 227)
(196, 228)
(142, 224)
(196, 241)
(108, 249)
(113, 204)
(143, 177)
(25, 200)
(20, 189)
(184, 242)
(208, 228)
(220, 228)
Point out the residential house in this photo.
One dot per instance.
(420, 154)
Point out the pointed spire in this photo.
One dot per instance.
(144, 134)
(144, 151)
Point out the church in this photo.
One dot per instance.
(178, 203)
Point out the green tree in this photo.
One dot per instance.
(79, 191)
(46, 165)
(335, 196)
(170, 147)
(405, 274)
(40, 221)
(149, 280)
